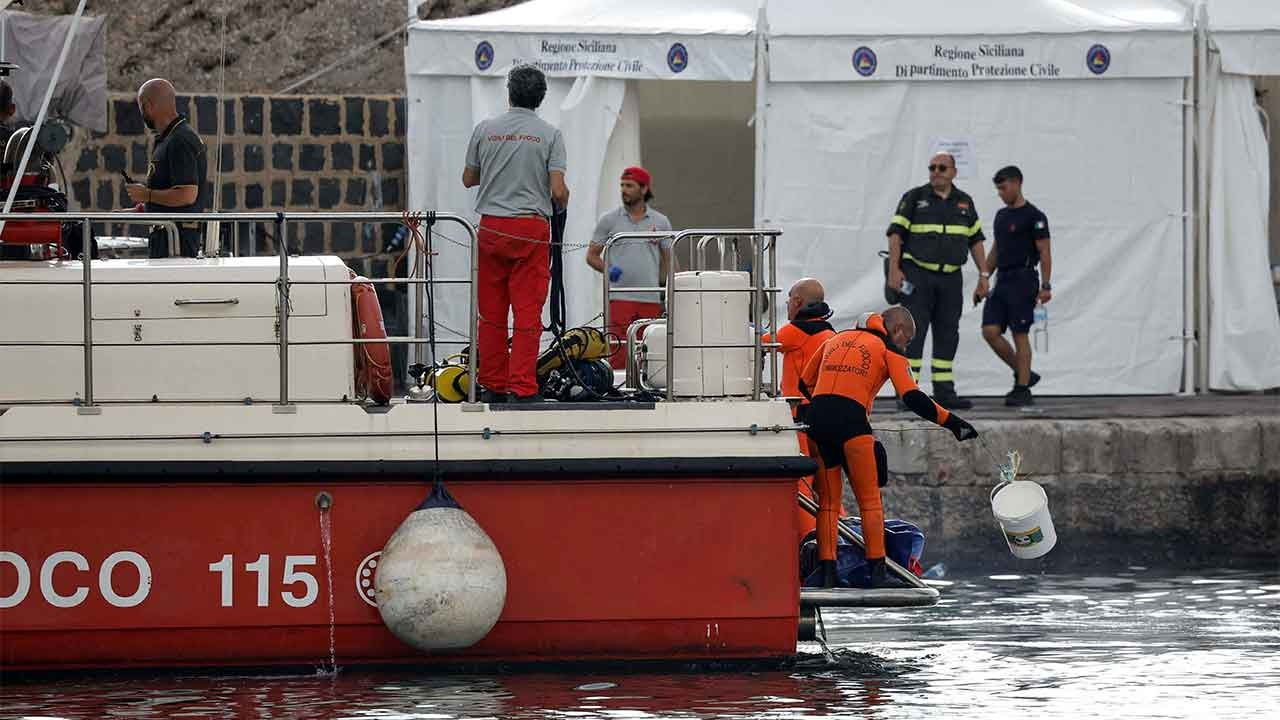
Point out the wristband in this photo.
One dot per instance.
(1046, 287)
(984, 274)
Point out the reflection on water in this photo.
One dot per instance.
(1135, 644)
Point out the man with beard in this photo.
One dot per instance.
(179, 165)
(632, 262)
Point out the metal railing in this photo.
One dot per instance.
(762, 241)
(280, 219)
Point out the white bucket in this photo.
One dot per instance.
(1022, 509)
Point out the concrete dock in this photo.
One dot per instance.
(1135, 480)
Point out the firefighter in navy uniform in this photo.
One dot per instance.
(179, 166)
(933, 231)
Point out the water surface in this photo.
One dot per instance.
(1133, 644)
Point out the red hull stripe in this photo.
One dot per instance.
(414, 470)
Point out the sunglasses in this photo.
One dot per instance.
(939, 168)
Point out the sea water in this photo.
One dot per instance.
(1134, 643)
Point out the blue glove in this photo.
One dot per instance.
(615, 272)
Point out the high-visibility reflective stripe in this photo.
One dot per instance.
(919, 229)
(965, 231)
(899, 220)
(936, 267)
(916, 363)
(943, 364)
(943, 376)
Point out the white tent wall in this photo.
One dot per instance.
(1244, 323)
(613, 68)
(841, 154)
(700, 149)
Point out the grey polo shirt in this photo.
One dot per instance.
(640, 260)
(514, 152)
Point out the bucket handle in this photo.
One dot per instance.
(996, 489)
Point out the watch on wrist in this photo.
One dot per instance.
(1046, 287)
(984, 274)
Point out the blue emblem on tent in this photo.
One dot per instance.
(484, 55)
(1098, 59)
(864, 61)
(677, 58)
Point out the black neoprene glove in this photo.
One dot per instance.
(960, 428)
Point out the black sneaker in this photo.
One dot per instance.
(1032, 379)
(1020, 396)
(490, 397)
(951, 401)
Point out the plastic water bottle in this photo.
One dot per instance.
(937, 572)
(397, 241)
(1041, 315)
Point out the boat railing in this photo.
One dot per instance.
(763, 244)
(418, 280)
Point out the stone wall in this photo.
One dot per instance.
(297, 153)
(1143, 491)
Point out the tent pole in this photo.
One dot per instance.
(34, 132)
(1205, 115)
(1189, 217)
(762, 72)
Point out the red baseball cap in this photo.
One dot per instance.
(639, 175)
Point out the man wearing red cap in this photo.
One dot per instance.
(632, 263)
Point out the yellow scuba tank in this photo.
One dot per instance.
(580, 343)
(451, 381)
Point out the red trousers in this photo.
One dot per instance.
(860, 461)
(621, 314)
(514, 275)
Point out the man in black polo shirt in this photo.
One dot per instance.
(934, 230)
(179, 166)
(1021, 241)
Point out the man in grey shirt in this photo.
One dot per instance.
(635, 262)
(518, 162)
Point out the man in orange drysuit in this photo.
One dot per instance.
(800, 339)
(842, 381)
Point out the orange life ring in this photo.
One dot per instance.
(373, 360)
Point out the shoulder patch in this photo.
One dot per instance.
(1040, 225)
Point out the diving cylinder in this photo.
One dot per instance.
(440, 581)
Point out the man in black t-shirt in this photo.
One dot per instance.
(1021, 242)
(179, 165)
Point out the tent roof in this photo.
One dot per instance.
(1246, 34)
(612, 17)
(1243, 15)
(993, 17)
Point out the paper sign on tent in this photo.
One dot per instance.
(963, 149)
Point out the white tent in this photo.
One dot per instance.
(1088, 97)
(1243, 324)
(615, 70)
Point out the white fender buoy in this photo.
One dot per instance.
(440, 582)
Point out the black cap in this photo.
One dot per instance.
(1008, 172)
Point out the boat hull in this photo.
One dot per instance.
(156, 565)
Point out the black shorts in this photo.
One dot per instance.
(1012, 303)
(834, 420)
